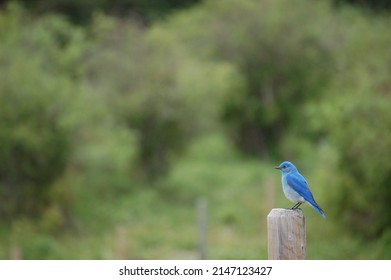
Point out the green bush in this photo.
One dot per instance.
(60, 146)
(355, 117)
(34, 145)
(282, 60)
(154, 87)
(81, 11)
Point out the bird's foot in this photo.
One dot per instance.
(296, 206)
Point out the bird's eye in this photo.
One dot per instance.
(284, 166)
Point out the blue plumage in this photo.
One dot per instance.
(295, 187)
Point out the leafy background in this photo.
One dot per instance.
(116, 117)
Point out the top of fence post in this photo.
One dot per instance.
(286, 234)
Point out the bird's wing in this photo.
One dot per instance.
(300, 185)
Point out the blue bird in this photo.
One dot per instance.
(295, 187)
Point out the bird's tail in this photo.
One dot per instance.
(317, 208)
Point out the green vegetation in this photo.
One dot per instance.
(81, 11)
(112, 130)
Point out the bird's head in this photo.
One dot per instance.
(286, 167)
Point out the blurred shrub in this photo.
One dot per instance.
(154, 86)
(356, 117)
(60, 146)
(34, 89)
(81, 11)
(282, 58)
(374, 5)
(34, 146)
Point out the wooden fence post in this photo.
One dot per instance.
(286, 234)
(202, 217)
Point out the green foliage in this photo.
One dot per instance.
(153, 86)
(57, 138)
(282, 60)
(373, 5)
(355, 116)
(34, 145)
(113, 130)
(81, 11)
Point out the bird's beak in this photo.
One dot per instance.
(277, 167)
